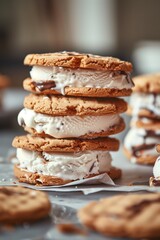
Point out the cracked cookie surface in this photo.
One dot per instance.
(77, 60)
(65, 106)
(32, 143)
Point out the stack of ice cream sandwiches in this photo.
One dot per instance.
(69, 114)
(140, 142)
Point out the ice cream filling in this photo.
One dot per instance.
(142, 101)
(71, 166)
(66, 126)
(142, 142)
(156, 168)
(58, 78)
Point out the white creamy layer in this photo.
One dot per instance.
(156, 168)
(148, 101)
(69, 166)
(81, 78)
(66, 126)
(136, 137)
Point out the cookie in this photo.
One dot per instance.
(132, 215)
(146, 123)
(21, 205)
(149, 83)
(68, 106)
(143, 113)
(34, 143)
(144, 105)
(77, 60)
(139, 145)
(70, 126)
(48, 88)
(39, 179)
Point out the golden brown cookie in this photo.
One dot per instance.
(35, 178)
(77, 60)
(132, 215)
(21, 205)
(149, 83)
(143, 159)
(65, 106)
(31, 86)
(34, 143)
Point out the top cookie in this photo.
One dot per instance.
(133, 215)
(149, 83)
(77, 60)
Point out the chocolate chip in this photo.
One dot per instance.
(22, 123)
(41, 86)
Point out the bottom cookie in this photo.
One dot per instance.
(132, 215)
(21, 205)
(39, 179)
(144, 160)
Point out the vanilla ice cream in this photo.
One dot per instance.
(156, 168)
(79, 78)
(70, 166)
(66, 126)
(150, 102)
(141, 142)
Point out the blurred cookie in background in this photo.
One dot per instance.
(144, 107)
(145, 99)
(21, 205)
(139, 145)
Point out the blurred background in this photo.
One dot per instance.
(128, 29)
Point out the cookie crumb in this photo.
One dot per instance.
(69, 228)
